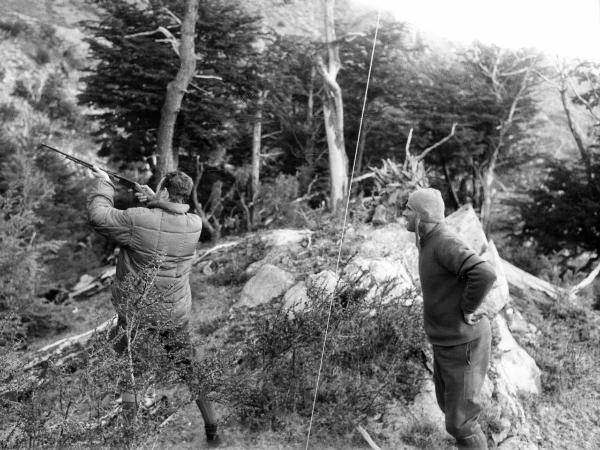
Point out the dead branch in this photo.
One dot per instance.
(66, 347)
(216, 249)
(173, 16)
(407, 148)
(367, 438)
(170, 38)
(518, 278)
(437, 144)
(208, 77)
(585, 282)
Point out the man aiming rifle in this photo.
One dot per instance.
(163, 227)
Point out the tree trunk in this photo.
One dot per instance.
(196, 203)
(360, 150)
(583, 150)
(256, 146)
(310, 139)
(168, 158)
(333, 112)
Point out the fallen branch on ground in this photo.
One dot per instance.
(367, 438)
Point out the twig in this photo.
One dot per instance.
(170, 38)
(173, 16)
(364, 176)
(586, 281)
(407, 147)
(208, 77)
(367, 438)
(437, 144)
(216, 248)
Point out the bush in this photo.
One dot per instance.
(53, 99)
(15, 28)
(69, 399)
(8, 112)
(372, 355)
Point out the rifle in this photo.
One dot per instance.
(121, 179)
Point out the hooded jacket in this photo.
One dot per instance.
(142, 233)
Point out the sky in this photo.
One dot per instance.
(567, 28)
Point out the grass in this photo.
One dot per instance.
(567, 413)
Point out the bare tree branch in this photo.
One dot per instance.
(437, 144)
(170, 38)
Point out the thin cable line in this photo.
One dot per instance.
(337, 264)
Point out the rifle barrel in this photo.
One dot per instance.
(125, 181)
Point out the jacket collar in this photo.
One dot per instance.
(175, 208)
(440, 226)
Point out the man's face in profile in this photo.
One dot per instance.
(411, 218)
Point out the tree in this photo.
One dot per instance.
(126, 87)
(168, 158)
(563, 211)
(333, 111)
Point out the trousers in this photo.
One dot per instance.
(458, 373)
(176, 342)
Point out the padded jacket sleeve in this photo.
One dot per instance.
(113, 223)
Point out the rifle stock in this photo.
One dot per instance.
(121, 179)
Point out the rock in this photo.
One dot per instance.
(295, 300)
(323, 282)
(510, 417)
(512, 362)
(379, 217)
(269, 282)
(465, 223)
(498, 296)
(375, 275)
(517, 443)
(276, 256)
(283, 237)
(299, 297)
(423, 410)
(392, 241)
(515, 321)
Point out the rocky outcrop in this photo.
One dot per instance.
(388, 254)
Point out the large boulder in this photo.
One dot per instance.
(298, 298)
(465, 223)
(268, 283)
(383, 279)
(498, 296)
(512, 362)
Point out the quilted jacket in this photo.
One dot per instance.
(164, 228)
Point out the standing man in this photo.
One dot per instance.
(454, 282)
(164, 227)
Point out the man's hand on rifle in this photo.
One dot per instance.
(144, 193)
(99, 173)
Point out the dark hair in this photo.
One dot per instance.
(179, 186)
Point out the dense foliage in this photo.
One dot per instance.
(564, 211)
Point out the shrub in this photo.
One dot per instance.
(8, 112)
(372, 355)
(69, 399)
(14, 28)
(53, 99)
(23, 91)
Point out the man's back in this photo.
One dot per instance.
(164, 228)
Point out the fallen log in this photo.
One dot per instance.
(66, 347)
(521, 280)
(215, 249)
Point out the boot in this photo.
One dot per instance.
(212, 437)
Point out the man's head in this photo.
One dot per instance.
(178, 185)
(423, 206)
